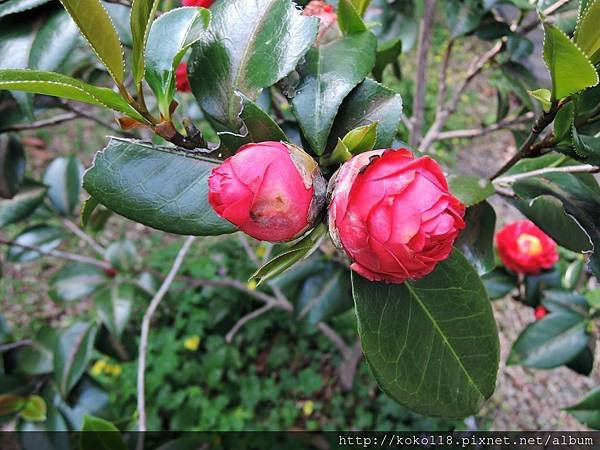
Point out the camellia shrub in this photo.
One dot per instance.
(293, 136)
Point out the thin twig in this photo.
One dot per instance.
(504, 124)
(141, 373)
(58, 254)
(546, 12)
(347, 370)
(43, 123)
(584, 168)
(421, 72)
(13, 345)
(247, 318)
(84, 114)
(249, 250)
(73, 228)
(335, 338)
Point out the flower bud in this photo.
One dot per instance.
(525, 249)
(393, 215)
(198, 3)
(327, 17)
(181, 78)
(272, 191)
(540, 312)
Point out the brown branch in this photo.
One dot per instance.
(347, 370)
(247, 318)
(584, 168)
(504, 124)
(421, 72)
(73, 228)
(43, 123)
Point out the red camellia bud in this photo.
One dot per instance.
(525, 249)
(110, 272)
(181, 78)
(325, 12)
(200, 3)
(393, 215)
(272, 191)
(540, 312)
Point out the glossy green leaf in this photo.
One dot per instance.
(57, 85)
(327, 76)
(12, 165)
(432, 344)
(286, 259)
(29, 197)
(476, 241)
(87, 209)
(53, 42)
(63, 178)
(360, 5)
(37, 358)
(519, 47)
(9, 7)
(169, 37)
(349, 18)
(544, 96)
(370, 102)
(463, 16)
(549, 214)
(34, 409)
(96, 26)
(324, 295)
(257, 126)
(537, 285)
(99, 434)
(499, 283)
(387, 53)
(587, 410)
(86, 398)
(72, 354)
(114, 306)
(550, 342)
(470, 190)
(587, 36)
(155, 186)
(556, 300)
(250, 46)
(122, 255)
(361, 139)
(75, 281)
(563, 121)
(142, 15)
(44, 237)
(561, 56)
(583, 363)
(587, 148)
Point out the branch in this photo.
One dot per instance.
(347, 370)
(546, 12)
(84, 114)
(73, 228)
(247, 318)
(335, 338)
(421, 75)
(58, 254)
(585, 168)
(43, 123)
(141, 400)
(504, 124)
(13, 345)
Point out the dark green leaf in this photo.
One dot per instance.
(155, 186)
(327, 76)
(561, 56)
(37, 358)
(432, 344)
(72, 354)
(387, 53)
(87, 398)
(476, 241)
(57, 85)
(99, 434)
(142, 15)
(63, 178)
(94, 23)
(325, 295)
(587, 411)
(470, 190)
(16, 6)
(75, 281)
(349, 19)
(519, 47)
(12, 165)
(114, 306)
(44, 237)
(53, 43)
(587, 148)
(29, 197)
(550, 342)
(122, 255)
(563, 121)
(370, 102)
(583, 363)
(565, 301)
(499, 283)
(183, 27)
(34, 409)
(286, 259)
(463, 16)
(536, 285)
(250, 46)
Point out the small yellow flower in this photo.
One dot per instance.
(308, 407)
(98, 367)
(260, 252)
(192, 343)
(251, 285)
(114, 370)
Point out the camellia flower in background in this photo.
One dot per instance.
(200, 3)
(182, 81)
(525, 249)
(540, 312)
(393, 215)
(326, 13)
(272, 191)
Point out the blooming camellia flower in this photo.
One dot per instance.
(393, 215)
(540, 312)
(272, 191)
(200, 3)
(525, 249)
(182, 81)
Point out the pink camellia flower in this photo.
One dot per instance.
(393, 215)
(325, 12)
(525, 249)
(540, 312)
(182, 81)
(200, 3)
(272, 191)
